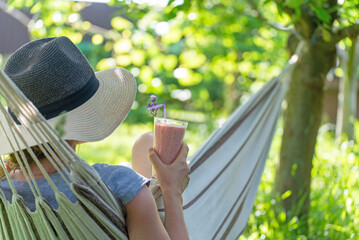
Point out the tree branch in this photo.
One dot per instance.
(265, 20)
(333, 14)
(351, 32)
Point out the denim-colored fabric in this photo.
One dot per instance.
(123, 181)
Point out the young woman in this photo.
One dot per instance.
(56, 77)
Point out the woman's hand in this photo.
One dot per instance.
(174, 177)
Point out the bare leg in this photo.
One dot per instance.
(140, 161)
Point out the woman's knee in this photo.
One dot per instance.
(144, 142)
(140, 161)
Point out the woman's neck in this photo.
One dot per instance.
(18, 175)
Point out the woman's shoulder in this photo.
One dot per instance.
(122, 180)
(107, 171)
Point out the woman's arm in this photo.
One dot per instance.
(174, 219)
(172, 179)
(143, 221)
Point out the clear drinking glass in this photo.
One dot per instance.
(168, 137)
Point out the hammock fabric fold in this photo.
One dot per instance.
(225, 174)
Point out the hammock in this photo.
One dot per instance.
(233, 156)
(226, 170)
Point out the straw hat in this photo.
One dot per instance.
(56, 77)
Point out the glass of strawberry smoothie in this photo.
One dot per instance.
(168, 138)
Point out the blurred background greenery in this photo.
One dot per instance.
(202, 63)
(203, 59)
(334, 210)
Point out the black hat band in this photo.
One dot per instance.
(68, 103)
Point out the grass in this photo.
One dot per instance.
(116, 148)
(334, 212)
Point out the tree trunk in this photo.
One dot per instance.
(301, 122)
(347, 97)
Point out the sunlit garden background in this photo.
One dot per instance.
(204, 59)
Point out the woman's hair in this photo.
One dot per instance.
(12, 163)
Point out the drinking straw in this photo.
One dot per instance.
(153, 105)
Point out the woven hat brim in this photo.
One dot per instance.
(94, 120)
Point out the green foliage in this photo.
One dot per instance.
(56, 20)
(321, 13)
(349, 12)
(116, 148)
(333, 212)
(200, 56)
(3, 59)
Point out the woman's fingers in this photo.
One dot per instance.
(174, 176)
(182, 155)
(185, 149)
(186, 182)
(152, 155)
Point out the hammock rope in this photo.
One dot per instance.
(90, 217)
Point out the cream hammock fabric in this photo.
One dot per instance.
(225, 174)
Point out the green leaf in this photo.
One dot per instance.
(191, 79)
(321, 13)
(297, 14)
(282, 217)
(286, 194)
(170, 2)
(36, 8)
(327, 36)
(120, 23)
(294, 169)
(280, 7)
(293, 3)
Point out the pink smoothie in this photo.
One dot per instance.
(167, 140)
